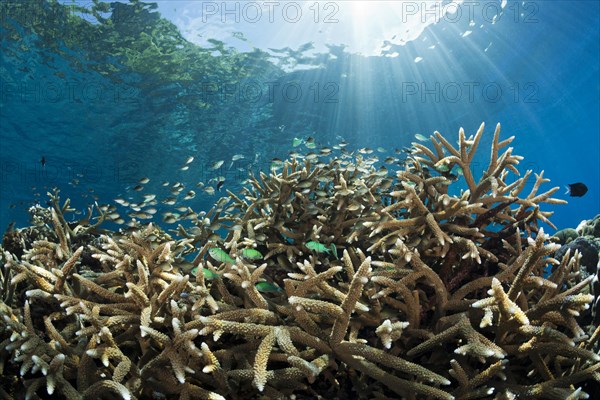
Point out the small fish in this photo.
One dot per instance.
(220, 185)
(170, 219)
(208, 274)
(305, 184)
(220, 255)
(276, 163)
(190, 195)
(141, 215)
(216, 165)
(297, 142)
(317, 247)
(184, 168)
(209, 190)
(138, 188)
(266, 287)
(189, 160)
(333, 250)
(312, 156)
(43, 161)
(237, 157)
(143, 181)
(251, 254)
(576, 189)
(420, 137)
(441, 167)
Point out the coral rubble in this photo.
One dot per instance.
(335, 278)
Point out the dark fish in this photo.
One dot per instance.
(43, 161)
(219, 185)
(576, 189)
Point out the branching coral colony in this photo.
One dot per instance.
(336, 278)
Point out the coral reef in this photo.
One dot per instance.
(566, 235)
(590, 227)
(585, 240)
(335, 278)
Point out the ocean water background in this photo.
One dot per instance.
(112, 93)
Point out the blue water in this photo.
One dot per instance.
(103, 119)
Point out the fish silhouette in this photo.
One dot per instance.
(576, 189)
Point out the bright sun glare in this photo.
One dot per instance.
(359, 7)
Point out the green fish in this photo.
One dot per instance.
(208, 274)
(317, 247)
(276, 163)
(216, 165)
(221, 256)
(459, 171)
(441, 167)
(266, 287)
(420, 137)
(334, 250)
(251, 254)
(297, 142)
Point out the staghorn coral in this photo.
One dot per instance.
(406, 290)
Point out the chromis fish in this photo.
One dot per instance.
(276, 163)
(251, 254)
(208, 274)
(420, 137)
(266, 287)
(333, 250)
(216, 165)
(576, 189)
(441, 166)
(220, 255)
(297, 142)
(317, 247)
